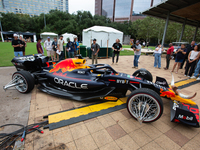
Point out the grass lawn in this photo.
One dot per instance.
(7, 52)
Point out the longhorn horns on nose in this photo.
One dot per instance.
(177, 91)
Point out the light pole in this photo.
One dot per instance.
(44, 21)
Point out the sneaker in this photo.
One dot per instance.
(188, 76)
(136, 67)
(133, 67)
(193, 77)
(198, 78)
(116, 63)
(185, 75)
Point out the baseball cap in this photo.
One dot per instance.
(137, 41)
(15, 34)
(94, 40)
(48, 37)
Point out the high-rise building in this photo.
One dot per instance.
(123, 10)
(32, 7)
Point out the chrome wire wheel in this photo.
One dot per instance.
(145, 105)
(21, 82)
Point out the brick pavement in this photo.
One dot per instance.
(116, 130)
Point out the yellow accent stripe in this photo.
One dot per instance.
(84, 111)
(184, 82)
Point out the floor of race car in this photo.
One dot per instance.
(115, 130)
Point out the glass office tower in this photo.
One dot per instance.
(32, 7)
(123, 10)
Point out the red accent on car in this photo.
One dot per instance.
(47, 64)
(134, 82)
(138, 78)
(111, 80)
(176, 120)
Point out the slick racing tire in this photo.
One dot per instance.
(143, 73)
(145, 105)
(25, 80)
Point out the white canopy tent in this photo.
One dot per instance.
(44, 35)
(105, 36)
(68, 35)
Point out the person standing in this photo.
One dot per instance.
(17, 44)
(196, 72)
(95, 49)
(55, 47)
(137, 53)
(60, 47)
(117, 47)
(23, 44)
(39, 46)
(189, 49)
(180, 56)
(70, 48)
(157, 55)
(191, 62)
(169, 54)
(48, 48)
(76, 45)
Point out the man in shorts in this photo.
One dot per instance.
(48, 48)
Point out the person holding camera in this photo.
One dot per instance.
(117, 47)
(137, 53)
(55, 47)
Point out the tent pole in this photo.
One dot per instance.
(165, 30)
(183, 28)
(107, 50)
(196, 31)
(1, 33)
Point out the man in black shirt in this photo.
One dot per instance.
(117, 47)
(189, 49)
(17, 44)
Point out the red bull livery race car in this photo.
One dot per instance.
(72, 79)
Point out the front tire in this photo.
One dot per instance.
(145, 104)
(143, 73)
(25, 80)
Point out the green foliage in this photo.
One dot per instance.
(149, 29)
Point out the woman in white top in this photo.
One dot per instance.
(157, 55)
(192, 58)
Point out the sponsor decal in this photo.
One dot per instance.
(128, 76)
(80, 72)
(161, 83)
(111, 98)
(143, 72)
(166, 93)
(175, 106)
(111, 80)
(195, 111)
(138, 78)
(158, 86)
(60, 74)
(134, 82)
(65, 65)
(122, 81)
(185, 117)
(70, 84)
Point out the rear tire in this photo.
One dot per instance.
(143, 73)
(145, 104)
(27, 82)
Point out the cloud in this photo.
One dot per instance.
(82, 5)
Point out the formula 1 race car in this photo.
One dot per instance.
(72, 79)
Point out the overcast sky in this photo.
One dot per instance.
(87, 5)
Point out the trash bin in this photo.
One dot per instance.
(102, 52)
(82, 50)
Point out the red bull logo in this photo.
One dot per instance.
(167, 93)
(68, 65)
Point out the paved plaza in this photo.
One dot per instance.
(116, 130)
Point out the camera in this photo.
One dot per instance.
(133, 46)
